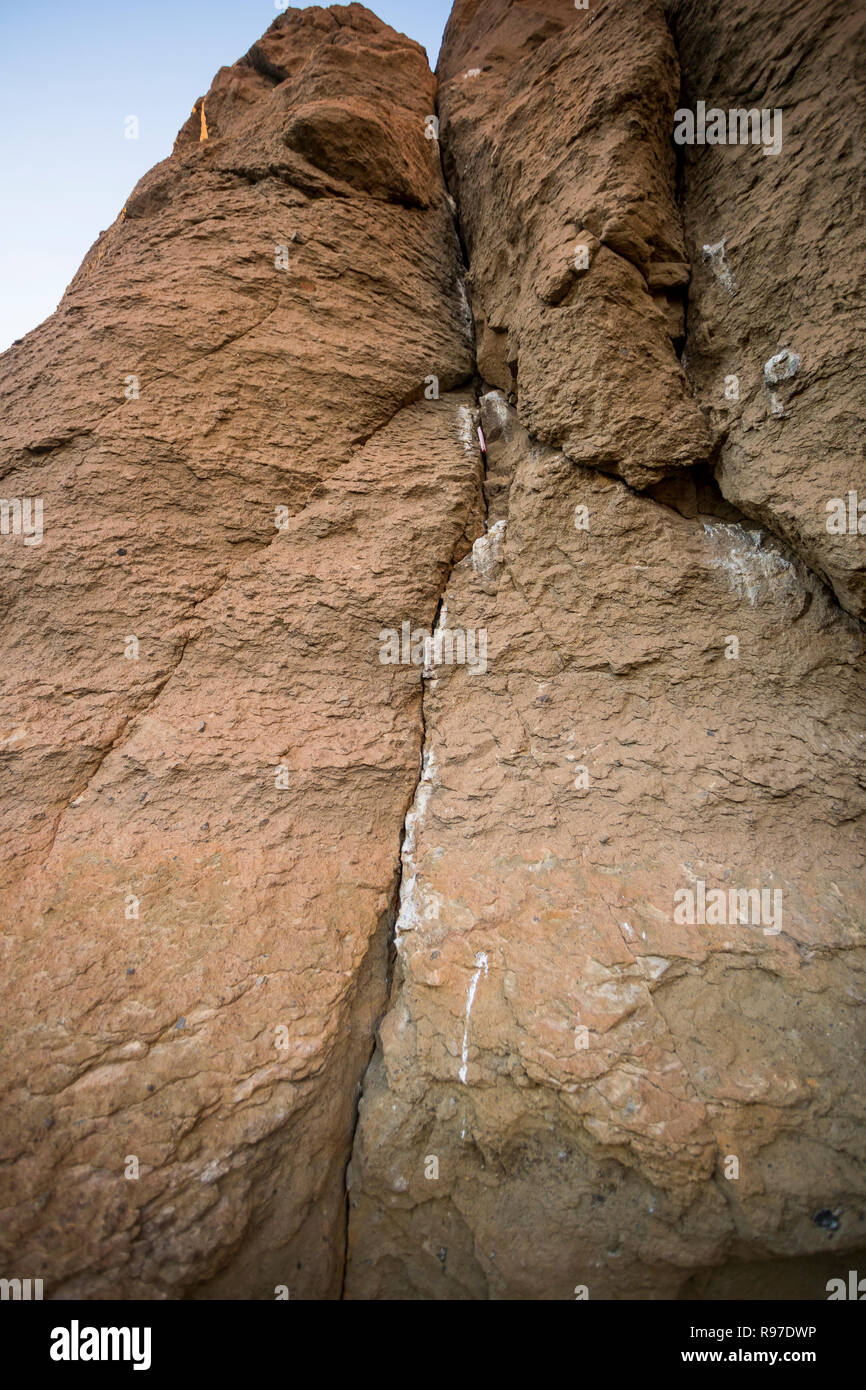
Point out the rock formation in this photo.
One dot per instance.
(209, 768)
(671, 705)
(568, 893)
(778, 282)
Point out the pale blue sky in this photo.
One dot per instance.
(72, 71)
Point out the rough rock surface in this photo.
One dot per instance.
(535, 907)
(577, 1089)
(252, 425)
(779, 275)
(557, 134)
(167, 906)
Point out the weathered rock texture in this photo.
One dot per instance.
(566, 1071)
(779, 276)
(211, 842)
(558, 145)
(260, 908)
(534, 908)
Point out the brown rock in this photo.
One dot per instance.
(202, 841)
(587, 863)
(776, 303)
(562, 142)
(579, 1086)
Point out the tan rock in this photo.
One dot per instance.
(620, 1056)
(318, 732)
(562, 144)
(776, 302)
(207, 766)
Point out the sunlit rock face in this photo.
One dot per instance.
(207, 765)
(432, 725)
(621, 1054)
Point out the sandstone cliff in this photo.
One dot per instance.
(203, 837)
(287, 919)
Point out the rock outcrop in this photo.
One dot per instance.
(206, 766)
(564, 173)
(585, 1083)
(778, 285)
(569, 892)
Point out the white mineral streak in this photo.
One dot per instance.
(410, 915)
(480, 964)
(466, 427)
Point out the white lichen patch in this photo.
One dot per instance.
(621, 994)
(782, 367)
(486, 554)
(653, 967)
(497, 416)
(748, 565)
(718, 261)
(467, 318)
(467, 429)
(495, 407)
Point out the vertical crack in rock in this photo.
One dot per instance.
(210, 979)
(404, 910)
(649, 727)
(404, 905)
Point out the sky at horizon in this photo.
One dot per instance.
(72, 74)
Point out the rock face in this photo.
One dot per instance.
(776, 301)
(584, 868)
(562, 164)
(578, 1063)
(586, 1081)
(207, 768)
